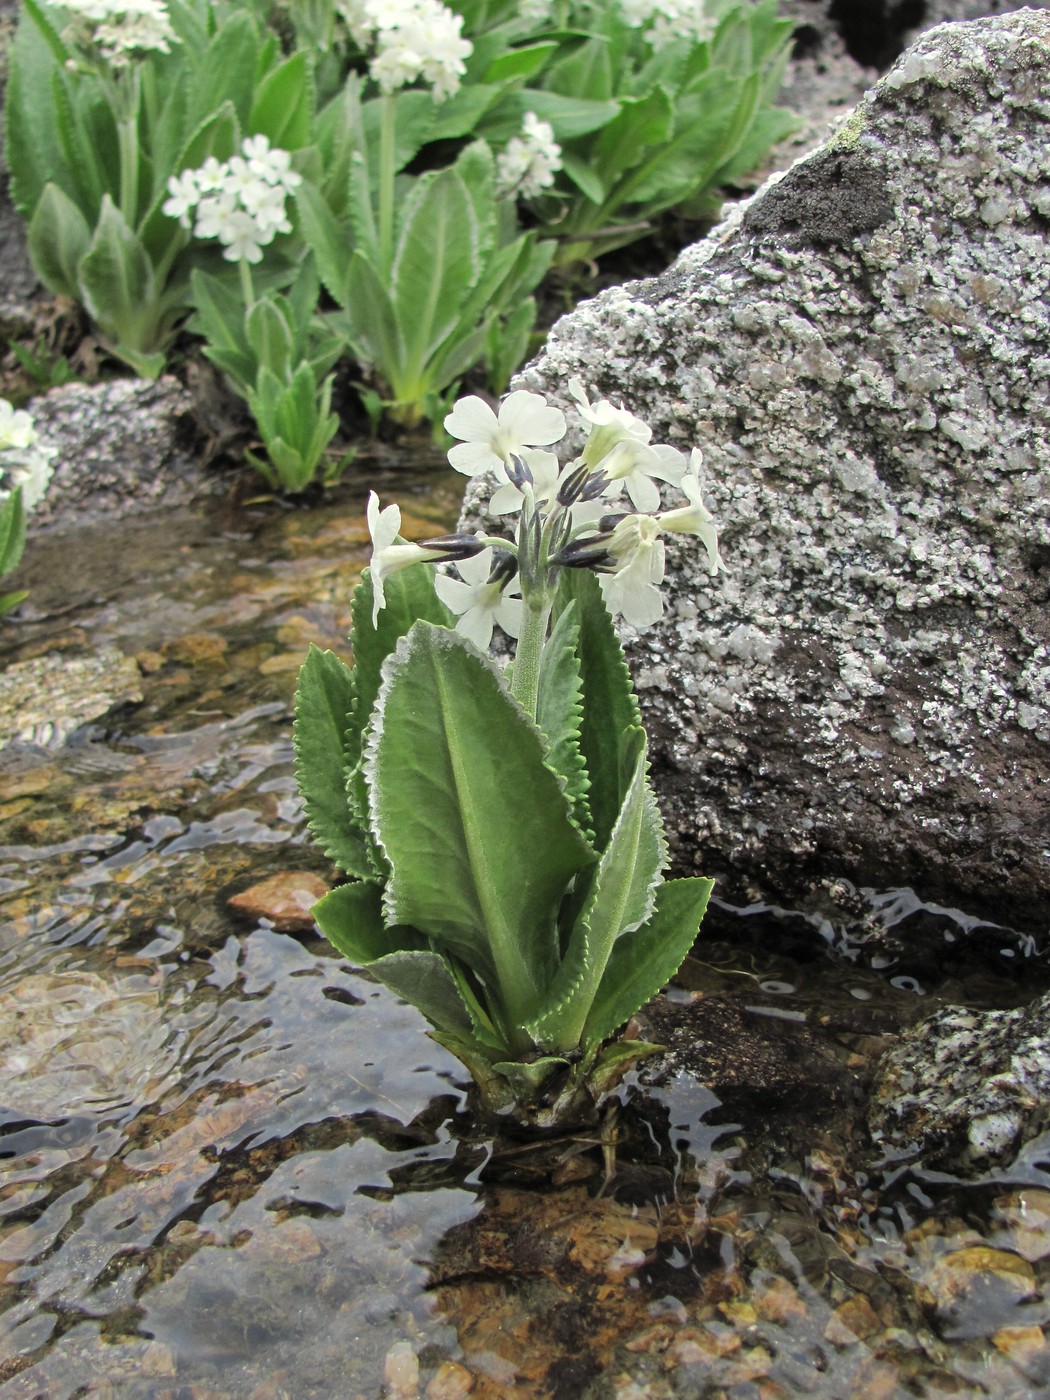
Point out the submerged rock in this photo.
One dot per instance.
(44, 699)
(965, 1089)
(285, 899)
(867, 693)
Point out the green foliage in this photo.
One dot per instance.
(479, 890)
(12, 543)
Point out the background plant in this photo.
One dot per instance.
(504, 843)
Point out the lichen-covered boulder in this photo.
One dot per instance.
(862, 353)
(965, 1089)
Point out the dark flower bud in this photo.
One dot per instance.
(452, 547)
(504, 567)
(571, 489)
(608, 523)
(584, 554)
(518, 472)
(594, 488)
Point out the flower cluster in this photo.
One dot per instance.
(24, 461)
(239, 201)
(569, 517)
(530, 161)
(411, 39)
(121, 29)
(669, 20)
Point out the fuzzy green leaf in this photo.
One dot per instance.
(436, 262)
(322, 705)
(609, 705)
(644, 961)
(559, 707)
(12, 531)
(350, 917)
(619, 899)
(480, 865)
(58, 238)
(283, 105)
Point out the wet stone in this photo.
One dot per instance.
(284, 900)
(43, 700)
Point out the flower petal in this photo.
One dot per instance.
(472, 420)
(530, 419)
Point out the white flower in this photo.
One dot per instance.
(16, 427)
(544, 468)
(669, 20)
(213, 213)
(534, 12)
(618, 444)
(477, 603)
(695, 518)
(387, 555)
(412, 39)
(122, 29)
(638, 552)
(487, 440)
(211, 175)
(243, 237)
(530, 161)
(185, 195)
(24, 461)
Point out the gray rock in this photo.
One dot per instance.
(122, 448)
(867, 693)
(965, 1089)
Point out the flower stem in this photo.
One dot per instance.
(387, 137)
(128, 143)
(525, 678)
(247, 286)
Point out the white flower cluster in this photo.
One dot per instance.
(412, 39)
(122, 29)
(239, 201)
(528, 165)
(24, 460)
(669, 20)
(573, 514)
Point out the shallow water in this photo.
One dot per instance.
(232, 1166)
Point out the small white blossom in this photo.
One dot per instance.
(412, 39)
(618, 444)
(669, 20)
(122, 29)
(479, 604)
(528, 165)
(488, 440)
(24, 460)
(240, 201)
(637, 551)
(534, 12)
(388, 556)
(543, 466)
(695, 518)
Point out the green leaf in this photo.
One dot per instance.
(328, 239)
(283, 106)
(436, 262)
(569, 116)
(609, 705)
(270, 338)
(323, 703)
(520, 63)
(58, 238)
(217, 136)
(481, 866)
(410, 595)
(584, 176)
(12, 531)
(226, 72)
(370, 322)
(117, 288)
(619, 899)
(350, 917)
(559, 708)
(646, 960)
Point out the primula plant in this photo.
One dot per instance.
(503, 843)
(25, 470)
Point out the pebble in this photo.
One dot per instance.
(854, 1321)
(450, 1382)
(285, 900)
(401, 1372)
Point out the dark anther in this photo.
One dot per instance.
(590, 553)
(594, 488)
(608, 523)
